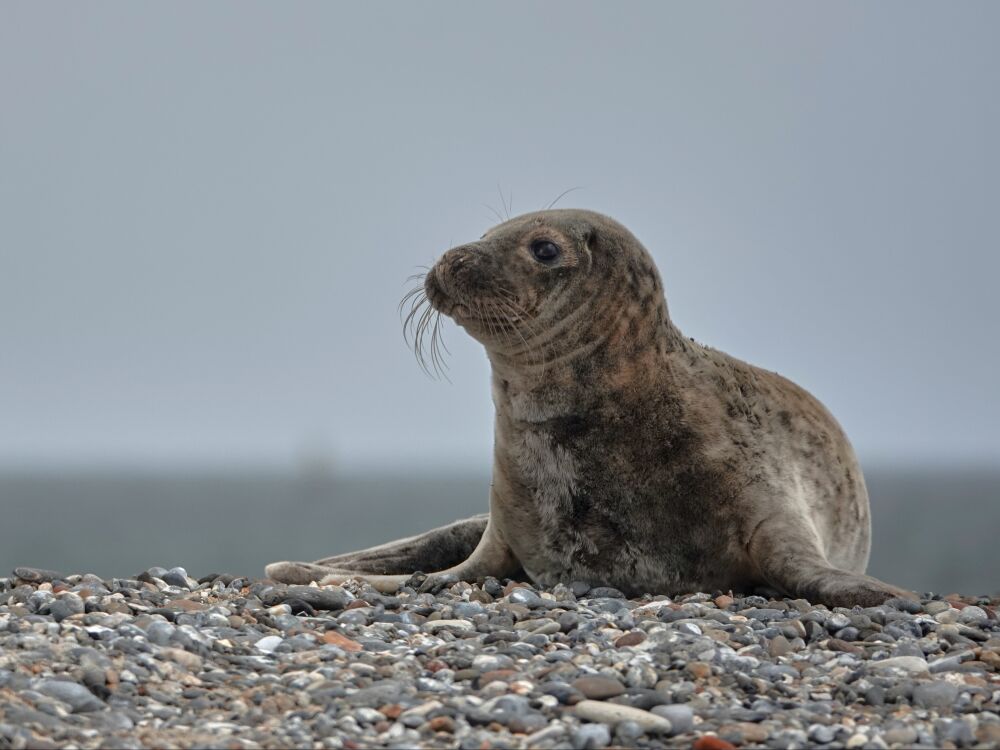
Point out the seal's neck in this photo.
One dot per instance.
(599, 351)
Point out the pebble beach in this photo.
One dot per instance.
(162, 660)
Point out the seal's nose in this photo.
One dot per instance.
(460, 271)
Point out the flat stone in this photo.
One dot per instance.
(526, 597)
(912, 664)
(612, 713)
(79, 698)
(605, 592)
(37, 575)
(598, 688)
(326, 597)
(333, 638)
(434, 626)
(630, 639)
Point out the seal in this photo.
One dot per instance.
(626, 454)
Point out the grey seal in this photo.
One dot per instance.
(625, 453)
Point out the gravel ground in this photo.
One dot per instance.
(166, 661)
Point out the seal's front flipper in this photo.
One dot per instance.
(491, 557)
(436, 549)
(296, 573)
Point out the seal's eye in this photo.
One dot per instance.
(545, 251)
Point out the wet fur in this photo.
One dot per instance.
(626, 454)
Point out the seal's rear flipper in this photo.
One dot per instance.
(788, 557)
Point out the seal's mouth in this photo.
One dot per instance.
(441, 301)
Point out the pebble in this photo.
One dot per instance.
(526, 597)
(681, 717)
(934, 694)
(912, 664)
(167, 660)
(598, 688)
(613, 713)
(590, 736)
(973, 616)
(320, 598)
(268, 643)
(176, 577)
(65, 606)
(461, 625)
(79, 698)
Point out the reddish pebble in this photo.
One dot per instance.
(357, 604)
(391, 710)
(630, 639)
(442, 724)
(516, 585)
(711, 742)
(435, 665)
(341, 641)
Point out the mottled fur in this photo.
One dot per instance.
(625, 453)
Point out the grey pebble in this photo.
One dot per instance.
(79, 698)
(65, 606)
(269, 643)
(176, 577)
(526, 597)
(934, 694)
(681, 717)
(326, 598)
(588, 736)
(627, 732)
(822, 734)
(973, 616)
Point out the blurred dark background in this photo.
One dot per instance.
(207, 216)
(934, 529)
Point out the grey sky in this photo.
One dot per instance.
(208, 211)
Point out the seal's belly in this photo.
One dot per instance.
(636, 552)
(570, 516)
(634, 570)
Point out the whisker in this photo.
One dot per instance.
(407, 297)
(440, 366)
(408, 324)
(503, 201)
(495, 212)
(421, 329)
(562, 194)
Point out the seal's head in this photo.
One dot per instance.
(560, 280)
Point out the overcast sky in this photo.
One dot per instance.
(208, 211)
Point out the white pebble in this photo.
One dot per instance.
(268, 643)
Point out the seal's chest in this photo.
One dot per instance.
(548, 469)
